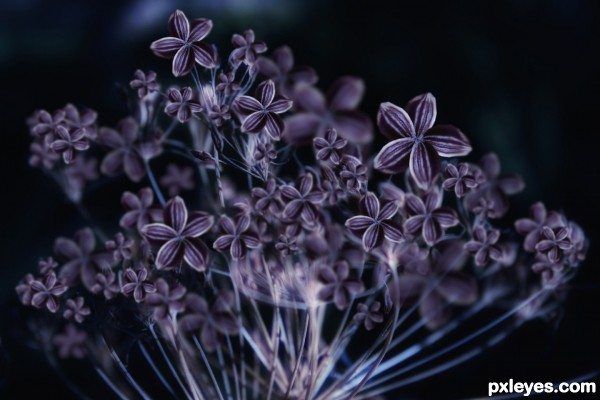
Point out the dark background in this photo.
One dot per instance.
(518, 77)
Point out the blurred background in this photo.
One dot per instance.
(518, 77)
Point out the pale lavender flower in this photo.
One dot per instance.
(136, 283)
(76, 309)
(177, 179)
(71, 343)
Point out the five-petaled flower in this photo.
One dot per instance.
(185, 44)
(262, 112)
(178, 236)
(417, 144)
(377, 224)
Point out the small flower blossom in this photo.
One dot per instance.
(48, 265)
(417, 143)
(71, 343)
(177, 179)
(42, 155)
(263, 111)
(302, 200)
(135, 283)
(210, 321)
(81, 120)
(495, 188)
(377, 224)
(337, 285)
(460, 179)
(185, 44)
(25, 291)
(237, 237)
(79, 174)
(124, 154)
(281, 70)
(286, 245)
(483, 245)
(554, 242)
(354, 174)
(247, 48)
(328, 148)
(47, 292)
(178, 236)
(121, 247)
(227, 84)
(81, 261)
(144, 83)
(182, 104)
(68, 142)
(265, 151)
(139, 209)
(218, 114)
(105, 282)
(76, 309)
(427, 218)
(317, 113)
(368, 315)
(166, 300)
(531, 227)
(46, 124)
(268, 198)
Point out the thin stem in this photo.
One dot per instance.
(154, 367)
(154, 184)
(208, 368)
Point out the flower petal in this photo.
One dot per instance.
(204, 54)
(424, 164)
(169, 255)
(198, 224)
(394, 122)
(354, 126)
(247, 105)
(423, 111)
(158, 232)
(359, 223)
(371, 205)
(265, 92)
(372, 237)
(179, 25)
(183, 61)
(166, 47)
(199, 29)
(345, 93)
(176, 214)
(448, 141)
(195, 253)
(394, 156)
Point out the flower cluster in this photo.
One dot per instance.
(255, 287)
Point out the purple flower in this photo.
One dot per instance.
(166, 300)
(268, 198)
(71, 343)
(210, 321)
(280, 69)
(178, 236)
(265, 151)
(177, 179)
(139, 209)
(328, 148)
(317, 113)
(121, 247)
(286, 245)
(302, 200)
(81, 120)
(496, 188)
(227, 84)
(185, 44)
(80, 259)
(182, 104)
(460, 179)
(531, 228)
(377, 224)
(42, 155)
(236, 237)
(25, 291)
(69, 142)
(45, 124)
(136, 283)
(105, 282)
(246, 48)
(145, 83)
(46, 266)
(369, 315)
(262, 112)
(76, 309)
(354, 173)
(427, 218)
(46, 293)
(337, 285)
(553, 242)
(444, 285)
(78, 174)
(417, 144)
(124, 155)
(483, 245)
